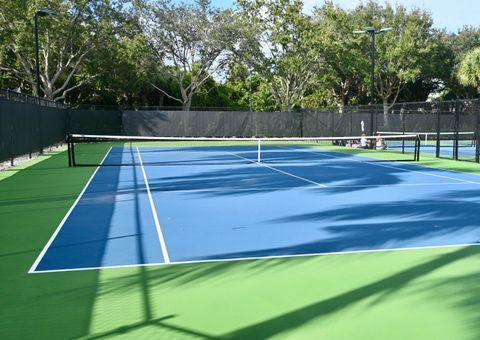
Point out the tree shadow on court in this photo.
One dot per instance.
(33, 202)
(62, 305)
(463, 292)
(147, 281)
(343, 172)
(449, 218)
(249, 179)
(378, 291)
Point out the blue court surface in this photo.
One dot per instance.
(217, 203)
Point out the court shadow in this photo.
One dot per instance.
(33, 202)
(433, 221)
(364, 291)
(379, 290)
(342, 172)
(251, 178)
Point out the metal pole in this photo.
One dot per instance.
(437, 145)
(37, 66)
(259, 157)
(372, 85)
(250, 76)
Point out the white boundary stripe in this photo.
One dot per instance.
(253, 258)
(281, 171)
(322, 152)
(54, 235)
(161, 238)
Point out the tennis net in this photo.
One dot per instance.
(445, 139)
(94, 150)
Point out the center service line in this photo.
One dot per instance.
(163, 245)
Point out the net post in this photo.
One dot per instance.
(259, 159)
(456, 135)
(72, 150)
(476, 134)
(69, 151)
(417, 149)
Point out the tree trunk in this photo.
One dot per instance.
(187, 105)
(385, 113)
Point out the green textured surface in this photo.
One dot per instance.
(410, 294)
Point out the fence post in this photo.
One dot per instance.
(477, 133)
(11, 144)
(333, 124)
(437, 146)
(456, 127)
(120, 110)
(302, 117)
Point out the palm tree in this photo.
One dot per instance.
(468, 72)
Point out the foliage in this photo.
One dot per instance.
(193, 41)
(279, 45)
(469, 69)
(65, 40)
(400, 54)
(345, 65)
(266, 53)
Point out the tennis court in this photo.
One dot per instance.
(201, 240)
(219, 203)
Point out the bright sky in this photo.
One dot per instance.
(449, 14)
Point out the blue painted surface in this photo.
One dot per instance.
(112, 224)
(250, 210)
(224, 207)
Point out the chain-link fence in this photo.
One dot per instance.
(448, 128)
(28, 125)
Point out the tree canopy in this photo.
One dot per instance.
(264, 54)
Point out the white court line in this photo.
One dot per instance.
(268, 257)
(382, 165)
(54, 235)
(278, 170)
(161, 238)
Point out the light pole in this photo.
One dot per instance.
(373, 32)
(40, 13)
(250, 90)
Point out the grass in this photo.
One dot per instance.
(411, 294)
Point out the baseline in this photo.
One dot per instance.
(267, 257)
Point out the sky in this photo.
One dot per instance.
(449, 14)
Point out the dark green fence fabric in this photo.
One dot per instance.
(26, 128)
(27, 125)
(349, 121)
(211, 123)
(95, 121)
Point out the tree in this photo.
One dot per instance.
(468, 72)
(345, 67)
(65, 42)
(455, 45)
(278, 45)
(193, 42)
(121, 69)
(401, 53)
